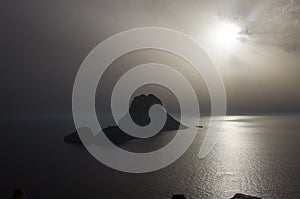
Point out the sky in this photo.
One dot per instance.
(43, 44)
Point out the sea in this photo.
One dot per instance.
(257, 155)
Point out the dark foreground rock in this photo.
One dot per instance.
(243, 196)
(236, 196)
(139, 112)
(178, 196)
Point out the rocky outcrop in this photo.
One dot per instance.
(178, 196)
(236, 196)
(243, 196)
(139, 112)
(113, 133)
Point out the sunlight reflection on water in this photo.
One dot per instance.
(257, 155)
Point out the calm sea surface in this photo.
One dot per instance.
(257, 155)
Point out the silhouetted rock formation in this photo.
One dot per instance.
(242, 196)
(139, 112)
(236, 196)
(18, 194)
(114, 133)
(178, 196)
(73, 138)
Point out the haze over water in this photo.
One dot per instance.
(254, 45)
(257, 155)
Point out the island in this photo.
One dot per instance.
(139, 112)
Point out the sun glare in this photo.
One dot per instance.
(225, 35)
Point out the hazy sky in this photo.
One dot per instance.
(44, 42)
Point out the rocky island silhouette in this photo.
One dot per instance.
(139, 112)
(236, 196)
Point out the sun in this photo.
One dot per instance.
(224, 35)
